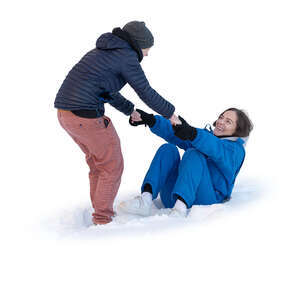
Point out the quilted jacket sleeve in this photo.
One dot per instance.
(135, 76)
(163, 129)
(121, 103)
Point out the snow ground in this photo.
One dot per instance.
(208, 56)
(75, 222)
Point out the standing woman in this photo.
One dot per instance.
(97, 79)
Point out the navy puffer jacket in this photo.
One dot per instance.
(106, 69)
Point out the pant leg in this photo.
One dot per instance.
(194, 182)
(162, 173)
(101, 145)
(93, 173)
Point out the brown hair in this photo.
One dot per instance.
(243, 123)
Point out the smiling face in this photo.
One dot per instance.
(226, 124)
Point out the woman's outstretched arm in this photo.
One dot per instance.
(161, 127)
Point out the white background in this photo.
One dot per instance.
(208, 56)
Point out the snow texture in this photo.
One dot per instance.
(76, 222)
(207, 56)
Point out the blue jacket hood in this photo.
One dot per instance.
(109, 41)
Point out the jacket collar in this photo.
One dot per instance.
(127, 38)
(241, 140)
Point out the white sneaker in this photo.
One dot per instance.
(141, 205)
(158, 203)
(179, 210)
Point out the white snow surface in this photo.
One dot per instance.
(76, 221)
(208, 56)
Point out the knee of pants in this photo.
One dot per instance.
(121, 165)
(118, 167)
(93, 168)
(169, 150)
(194, 155)
(112, 168)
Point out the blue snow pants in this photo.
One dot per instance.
(188, 178)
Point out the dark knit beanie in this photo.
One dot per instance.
(140, 33)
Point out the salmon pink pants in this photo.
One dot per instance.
(98, 139)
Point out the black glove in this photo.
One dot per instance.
(147, 119)
(184, 131)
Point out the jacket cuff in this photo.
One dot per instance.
(130, 111)
(170, 114)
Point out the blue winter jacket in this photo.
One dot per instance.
(106, 69)
(224, 157)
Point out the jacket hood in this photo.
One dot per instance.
(109, 41)
(243, 140)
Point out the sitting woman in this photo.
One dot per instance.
(207, 171)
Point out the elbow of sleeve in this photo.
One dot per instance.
(158, 104)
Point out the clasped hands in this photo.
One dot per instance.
(180, 127)
(139, 117)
